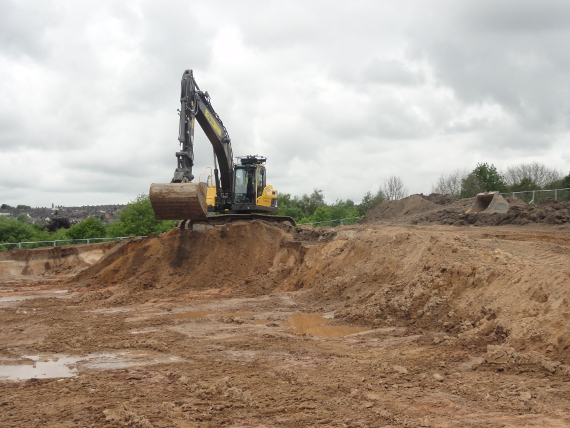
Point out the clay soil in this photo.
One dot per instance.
(398, 322)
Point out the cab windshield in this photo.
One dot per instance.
(245, 185)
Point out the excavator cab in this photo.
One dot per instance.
(251, 192)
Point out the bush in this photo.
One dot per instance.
(57, 223)
(115, 229)
(12, 230)
(88, 228)
(137, 219)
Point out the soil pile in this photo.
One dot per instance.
(411, 205)
(232, 257)
(478, 289)
(445, 210)
(547, 211)
(438, 198)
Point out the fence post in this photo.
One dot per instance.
(20, 245)
(555, 194)
(54, 243)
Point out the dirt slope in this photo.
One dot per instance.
(230, 257)
(65, 260)
(431, 278)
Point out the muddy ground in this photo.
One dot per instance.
(374, 325)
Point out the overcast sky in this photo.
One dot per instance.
(338, 95)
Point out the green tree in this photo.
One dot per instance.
(310, 203)
(321, 214)
(12, 230)
(23, 207)
(23, 218)
(115, 229)
(138, 219)
(524, 184)
(470, 186)
(5, 207)
(88, 228)
(566, 182)
(369, 201)
(489, 177)
(484, 178)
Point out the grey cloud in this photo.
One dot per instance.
(390, 71)
(23, 27)
(490, 53)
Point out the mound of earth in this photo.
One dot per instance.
(440, 209)
(547, 211)
(473, 287)
(233, 257)
(481, 291)
(404, 207)
(438, 198)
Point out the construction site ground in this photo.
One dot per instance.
(401, 321)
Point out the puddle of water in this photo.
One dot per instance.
(36, 295)
(57, 367)
(192, 315)
(313, 324)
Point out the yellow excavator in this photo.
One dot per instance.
(234, 191)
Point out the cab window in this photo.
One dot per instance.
(260, 180)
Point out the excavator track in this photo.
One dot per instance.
(225, 219)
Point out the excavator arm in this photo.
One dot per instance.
(195, 105)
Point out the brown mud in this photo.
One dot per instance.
(385, 324)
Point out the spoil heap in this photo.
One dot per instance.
(437, 209)
(473, 286)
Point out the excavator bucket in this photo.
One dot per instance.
(490, 202)
(179, 201)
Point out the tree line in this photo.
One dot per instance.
(485, 178)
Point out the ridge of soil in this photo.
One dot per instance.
(419, 209)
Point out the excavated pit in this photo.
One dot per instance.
(478, 288)
(391, 323)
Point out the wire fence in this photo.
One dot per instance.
(535, 196)
(335, 222)
(59, 242)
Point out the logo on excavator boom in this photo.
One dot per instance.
(214, 123)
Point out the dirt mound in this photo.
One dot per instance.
(437, 209)
(65, 260)
(476, 291)
(438, 198)
(404, 207)
(547, 211)
(234, 257)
